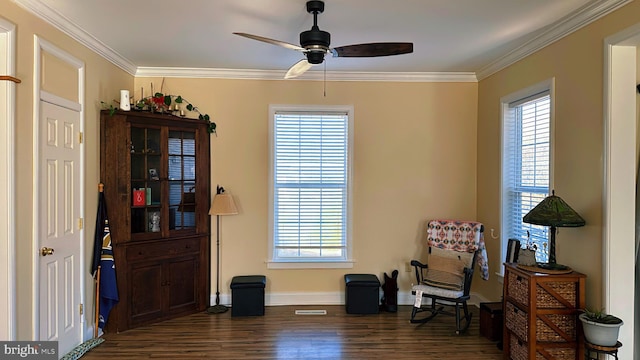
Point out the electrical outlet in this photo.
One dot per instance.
(407, 267)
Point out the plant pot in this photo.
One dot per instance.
(598, 333)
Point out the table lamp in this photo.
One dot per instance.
(553, 212)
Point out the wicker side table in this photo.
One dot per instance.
(593, 352)
(541, 314)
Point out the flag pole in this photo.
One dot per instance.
(97, 302)
(97, 307)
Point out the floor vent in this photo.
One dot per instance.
(311, 312)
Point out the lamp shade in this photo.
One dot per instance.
(223, 204)
(553, 211)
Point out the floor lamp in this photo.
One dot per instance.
(223, 204)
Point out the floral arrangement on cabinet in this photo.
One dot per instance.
(162, 103)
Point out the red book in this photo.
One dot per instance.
(139, 197)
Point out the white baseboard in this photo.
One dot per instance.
(328, 298)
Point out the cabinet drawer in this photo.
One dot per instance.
(556, 327)
(549, 294)
(169, 248)
(516, 321)
(549, 327)
(558, 353)
(518, 350)
(518, 288)
(556, 295)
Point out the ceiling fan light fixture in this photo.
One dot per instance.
(315, 57)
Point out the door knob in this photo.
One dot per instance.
(46, 251)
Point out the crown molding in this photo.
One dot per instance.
(248, 74)
(555, 32)
(63, 24)
(565, 26)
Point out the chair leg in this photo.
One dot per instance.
(467, 315)
(431, 308)
(414, 311)
(435, 310)
(457, 318)
(467, 318)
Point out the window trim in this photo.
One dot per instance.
(316, 264)
(505, 101)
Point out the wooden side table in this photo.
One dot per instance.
(541, 314)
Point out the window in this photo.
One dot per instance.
(310, 190)
(526, 169)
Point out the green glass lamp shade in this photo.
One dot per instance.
(553, 212)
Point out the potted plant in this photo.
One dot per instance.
(600, 328)
(162, 103)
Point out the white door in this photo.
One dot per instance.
(59, 229)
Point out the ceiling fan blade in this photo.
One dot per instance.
(270, 41)
(298, 69)
(373, 49)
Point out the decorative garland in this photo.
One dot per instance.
(162, 103)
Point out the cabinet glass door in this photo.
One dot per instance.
(146, 187)
(182, 180)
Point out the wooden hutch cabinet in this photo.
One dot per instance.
(541, 314)
(155, 169)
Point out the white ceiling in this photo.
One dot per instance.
(461, 36)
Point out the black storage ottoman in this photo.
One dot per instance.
(247, 295)
(362, 295)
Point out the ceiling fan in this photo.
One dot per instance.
(314, 44)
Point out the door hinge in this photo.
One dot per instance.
(80, 135)
(81, 309)
(80, 223)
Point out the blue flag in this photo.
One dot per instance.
(103, 258)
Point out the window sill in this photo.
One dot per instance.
(347, 264)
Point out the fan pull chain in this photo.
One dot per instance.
(324, 82)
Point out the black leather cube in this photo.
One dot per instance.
(362, 295)
(247, 295)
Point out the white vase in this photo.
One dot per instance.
(124, 100)
(527, 257)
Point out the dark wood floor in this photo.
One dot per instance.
(281, 334)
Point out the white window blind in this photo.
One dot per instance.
(526, 168)
(310, 184)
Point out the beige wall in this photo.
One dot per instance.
(103, 80)
(414, 159)
(421, 151)
(576, 63)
